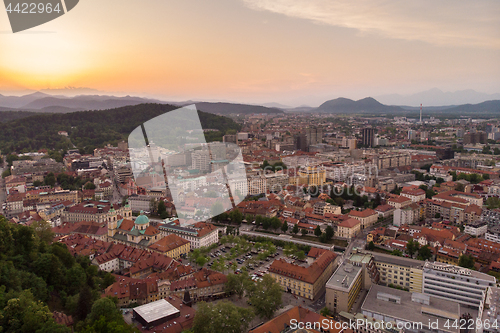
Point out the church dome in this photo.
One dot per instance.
(142, 219)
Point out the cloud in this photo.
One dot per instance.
(444, 22)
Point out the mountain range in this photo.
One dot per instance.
(437, 97)
(44, 103)
(41, 102)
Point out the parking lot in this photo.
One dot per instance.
(255, 258)
(254, 262)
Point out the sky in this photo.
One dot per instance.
(292, 52)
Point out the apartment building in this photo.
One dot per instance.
(476, 228)
(348, 228)
(408, 215)
(399, 271)
(399, 201)
(367, 217)
(493, 234)
(414, 194)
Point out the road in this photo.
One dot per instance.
(293, 240)
(3, 195)
(117, 198)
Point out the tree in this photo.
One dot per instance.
(236, 216)
(104, 307)
(377, 201)
(397, 253)
(371, 246)
(304, 232)
(276, 223)
(429, 193)
(6, 173)
(459, 187)
(295, 229)
(329, 232)
(492, 202)
(162, 208)
(201, 261)
(24, 314)
(104, 326)
(266, 297)
(424, 253)
(411, 247)
(437, 215)
(325, 312)
(300, 255)
(238, 283)
(89, 186)
(43, 231)
(317, 231)
(153, 205)
(223, 316)
(76, 278)
(284, 227)
(84, 304)
(50, 180)
(340, 202)
(466, 261)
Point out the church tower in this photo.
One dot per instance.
(112, 223)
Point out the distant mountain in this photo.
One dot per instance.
(365, 105)
(230, 108)
(87, 102)
(20, 101)
(436, 97)
(41, 102)
(71, 91)
(276, 105)
(303, 108)
(486, 108)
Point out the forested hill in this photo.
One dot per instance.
(90, 129)
(38, 277)
(6, 116)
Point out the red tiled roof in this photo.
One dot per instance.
(349, 223)
(300, 314)
(363, 213)
(168, 243)
(307, 274)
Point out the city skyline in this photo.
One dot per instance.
(289, 52)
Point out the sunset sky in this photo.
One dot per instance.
(288, 51)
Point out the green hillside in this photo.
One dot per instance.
(90, 129)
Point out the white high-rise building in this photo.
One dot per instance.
(467, 287)
(201, 160)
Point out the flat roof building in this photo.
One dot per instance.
(156, 313)
(467, 287)
(415, 311)
(343, 287)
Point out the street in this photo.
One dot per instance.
(3, 195)
(292, 240)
